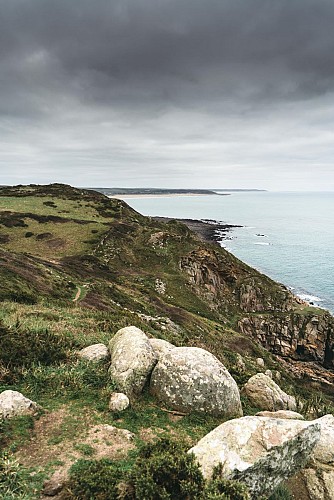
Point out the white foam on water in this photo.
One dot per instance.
(309, 298)
(261, 243)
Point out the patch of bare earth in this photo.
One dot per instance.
(106, 441)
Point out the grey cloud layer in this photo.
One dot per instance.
(129, 88)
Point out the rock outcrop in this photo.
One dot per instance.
(14, 404)
(304, 337)
(265, 394)
(132, 360)
(192, 379)
(258, 451)
(95, 352)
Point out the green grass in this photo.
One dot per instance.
(76, 209)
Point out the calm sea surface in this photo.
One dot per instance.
(288, 236)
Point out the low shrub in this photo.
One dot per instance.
(21, 348)
(224, 489)
(163, 470)
(95, 479)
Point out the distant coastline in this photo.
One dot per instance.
(149, 192)
(159, 195)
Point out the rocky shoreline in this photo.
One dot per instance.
(209, 230)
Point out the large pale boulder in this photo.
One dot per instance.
(161, 347)
(191, 379)
(265, 394)
(258, 451)
(14, 404)
(132, 360)
(316, 480)
(95, 352)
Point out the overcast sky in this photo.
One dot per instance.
(168, 93)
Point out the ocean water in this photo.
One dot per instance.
(288, 236)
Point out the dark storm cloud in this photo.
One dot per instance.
(161, 83)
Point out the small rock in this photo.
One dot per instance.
(161, 347)
(287, 414)
(53, 486)
(278, 375)
(118, 402)
(265, 394)
(13, 404)
(240, 364)
(260, 362)
(269, 373)
(95, 352)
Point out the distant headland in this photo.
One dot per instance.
(167, 192)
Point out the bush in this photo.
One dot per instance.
(219, 488)
(95, 479)
(21, 348)
(225, 489)
(163, 470)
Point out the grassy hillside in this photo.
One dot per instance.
(77, 266)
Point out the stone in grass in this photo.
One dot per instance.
(14, 404)
(190, 379)
(258, 451)
(95, 352)
(265, 394)
(132, 360)
(260, 362)
(118, 402)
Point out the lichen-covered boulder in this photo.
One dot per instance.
(258, 451)
(161, 347)
(191, 379)
(118, 401)
(265, 394)
(14, 404)
(95, 352)
(316, 480)
(132, 360)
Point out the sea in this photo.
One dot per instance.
(287, 235)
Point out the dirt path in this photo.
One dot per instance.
(78, 294)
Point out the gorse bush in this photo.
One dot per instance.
(224, 489)
(20, 348)
(164, 471)
(95, 479)
(161, 471)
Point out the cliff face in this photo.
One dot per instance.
(306, 337)
(276, 319)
